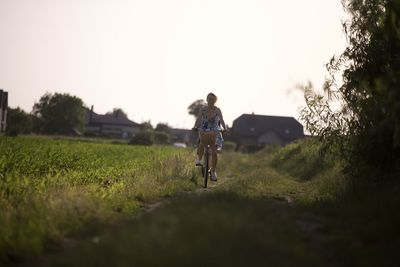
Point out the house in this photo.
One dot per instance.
(109, 125)
(3, 110)
(253, 130)
(183, 136)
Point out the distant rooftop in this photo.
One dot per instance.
(94, 118)
(256, 125)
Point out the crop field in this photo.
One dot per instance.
(52, 187)
(86, 202)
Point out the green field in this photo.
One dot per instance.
(52, 187)
(82, 203)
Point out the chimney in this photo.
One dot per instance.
(5, 106)
(3, 110)
(91, 115)
(1, 99)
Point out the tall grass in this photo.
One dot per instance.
(297, 172)
(357, 225)
(50, 188)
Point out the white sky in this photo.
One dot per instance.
(153, 58)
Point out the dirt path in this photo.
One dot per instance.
(94, 235)
(151, 206)
(207, 227)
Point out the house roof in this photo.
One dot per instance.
(181, 131)
(185, 134)
(252, 125)
(108, 119)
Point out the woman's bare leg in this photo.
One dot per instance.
(209, 138)
(200, 150)
(212, 139)
(214, 157)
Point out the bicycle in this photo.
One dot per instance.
(205, 168)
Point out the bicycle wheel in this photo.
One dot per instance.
(206, 167)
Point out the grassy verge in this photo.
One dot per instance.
(52, 187)
(354, 226)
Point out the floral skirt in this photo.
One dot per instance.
(220, 140)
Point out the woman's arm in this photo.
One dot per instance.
(221, 118)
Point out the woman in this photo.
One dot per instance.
(208, 123)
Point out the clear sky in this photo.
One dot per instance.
(153, 58)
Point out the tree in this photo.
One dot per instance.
(150, 137)
(162, 133)
(195, 107)
(367, 126)
(59, 113)
(18, 122)
(161, 138)
(145, 138)
(118, 112)
(163, 127)
(146, 126)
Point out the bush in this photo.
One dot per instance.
(18, 122)
(303, 159)
(150, 137)
(145, 138)
(12, 132)
(229, 146)
(161, 138)
(364, 80)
